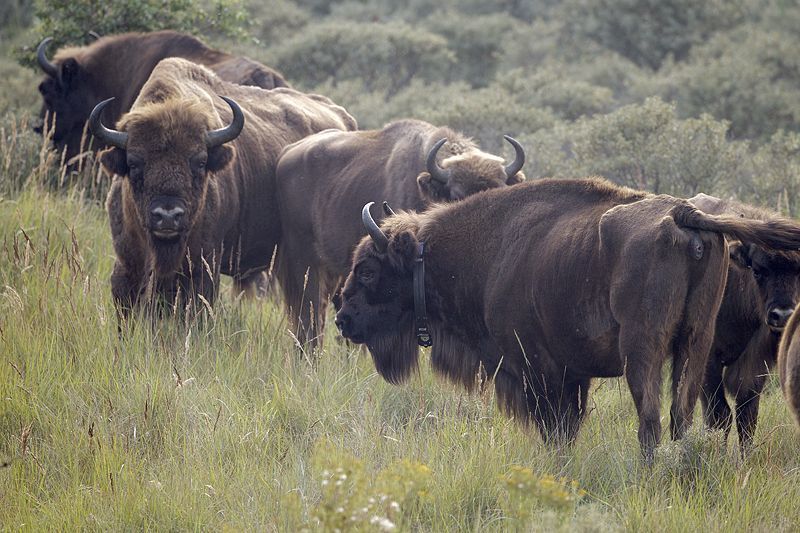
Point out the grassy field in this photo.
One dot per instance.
(222, 425)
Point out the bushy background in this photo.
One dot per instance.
(674, 96)
(223, 426)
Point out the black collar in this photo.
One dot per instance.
(420, 312)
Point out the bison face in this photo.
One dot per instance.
(166, 155)
(777, 276)
(377, 306)
(67, 101)
(68, 98)
(465, 174)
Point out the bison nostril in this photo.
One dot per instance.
(779, 316)
(341, 321)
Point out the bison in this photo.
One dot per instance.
(410, 163)
(762, 290)
(117, 67)
(198, 198)
(546, 285)
(789, 365)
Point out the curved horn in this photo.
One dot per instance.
(229, 132)
(388, 210)
(378, 236)
(108, 136)
(41, 58)
(519, 159)
(93, 34)
(437, 172)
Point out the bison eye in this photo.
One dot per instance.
(366, 276)
(758, 275)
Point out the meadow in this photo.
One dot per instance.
(223, 424)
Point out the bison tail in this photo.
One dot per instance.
(777, 233)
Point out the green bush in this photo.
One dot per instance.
(645, 146)
(477, 43)
(70, 21)
(383, 57)
(649, 31)
(276, 21)
(749, 78)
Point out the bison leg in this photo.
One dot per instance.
(558, 406)
(127, 286)
(688, 370)
(716, 411)
(302, 289)
(257, 285)
(745, 379)
(643, 361)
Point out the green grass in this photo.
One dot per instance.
(222, 425)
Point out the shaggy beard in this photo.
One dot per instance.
(396, 353)
(169, 255)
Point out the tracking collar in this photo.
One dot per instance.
(420, 312)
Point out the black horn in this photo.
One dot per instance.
(388, 210)
(229, 132)
(437, 172)
(378, 236)
(41, 58)
(108, 136)
(519, 158)
(94, 35)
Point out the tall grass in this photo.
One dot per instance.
(222, 425)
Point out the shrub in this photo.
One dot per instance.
(750, 78)
(645, 146)
(69, 21)
(383, 57)
(477, 43)
(649, 31)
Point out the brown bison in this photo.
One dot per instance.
(198, 197)
(546, 285)
(409, 163)
(762, 290)
(789, 365)
(116, 67)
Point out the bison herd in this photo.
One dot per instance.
(221, 168)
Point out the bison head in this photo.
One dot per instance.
(68, 98)
(166, 152)
(377, 306)
(465, 174)
(777, 276)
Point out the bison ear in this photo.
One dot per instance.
(740, 254)
(402, 250)
(70, 71)
(219, 157)
(431, 189)
(519, 177)
(115, 161)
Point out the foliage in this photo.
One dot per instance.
(646, 147)
(649, 31)
(750, 78)
(477, 43)
(15, 14)
(70, 21)
(275, 21)
(383, 57)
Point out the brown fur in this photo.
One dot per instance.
(231, 222)
(745, 346)
(789, 365)
(325, 179)
(118, 66)
(570, 280)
